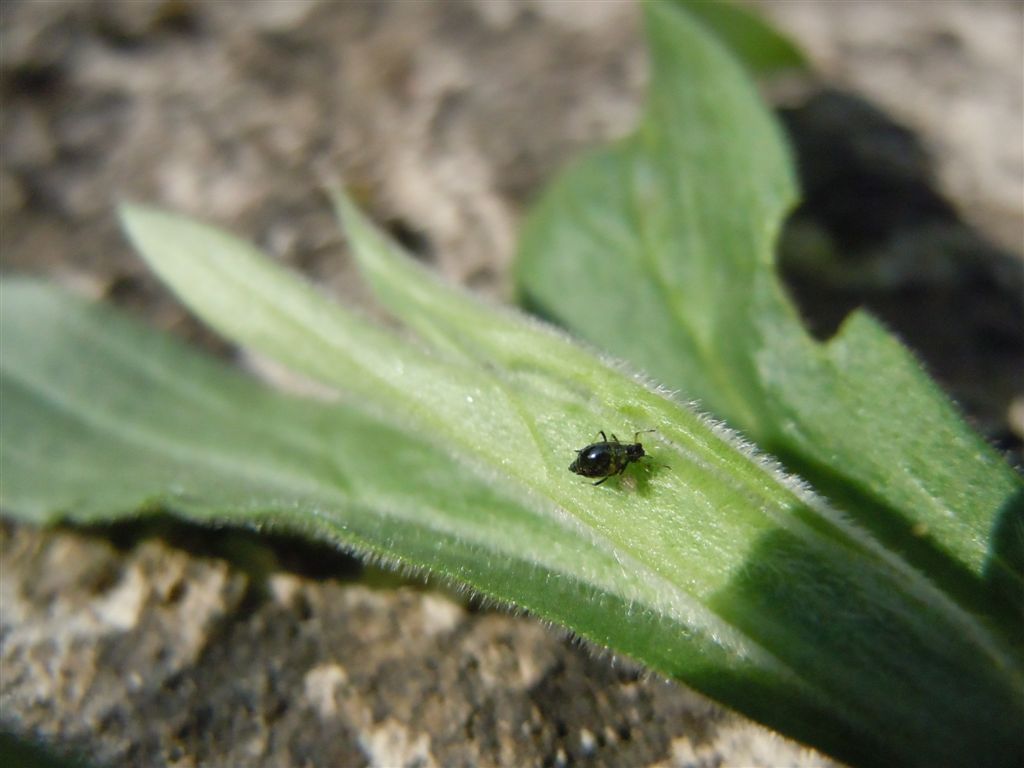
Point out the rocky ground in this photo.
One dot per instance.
(163, 645)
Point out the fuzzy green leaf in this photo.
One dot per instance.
(105, 419)
(667, 239)
(448, 452)
(714, 569)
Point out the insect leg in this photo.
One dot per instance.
(601, 480)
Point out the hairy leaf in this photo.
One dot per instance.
(447, 450)
(712, 536)
(666, 241)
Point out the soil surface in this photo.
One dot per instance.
(162, 645)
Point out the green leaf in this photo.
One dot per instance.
(105, 419)
(446, 450)
(715, 569)
(824, 605)
(761, 48)
(667, 241)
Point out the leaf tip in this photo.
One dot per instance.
(137, 221)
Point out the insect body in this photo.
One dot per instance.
(606, 458)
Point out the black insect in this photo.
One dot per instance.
(607, 458)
